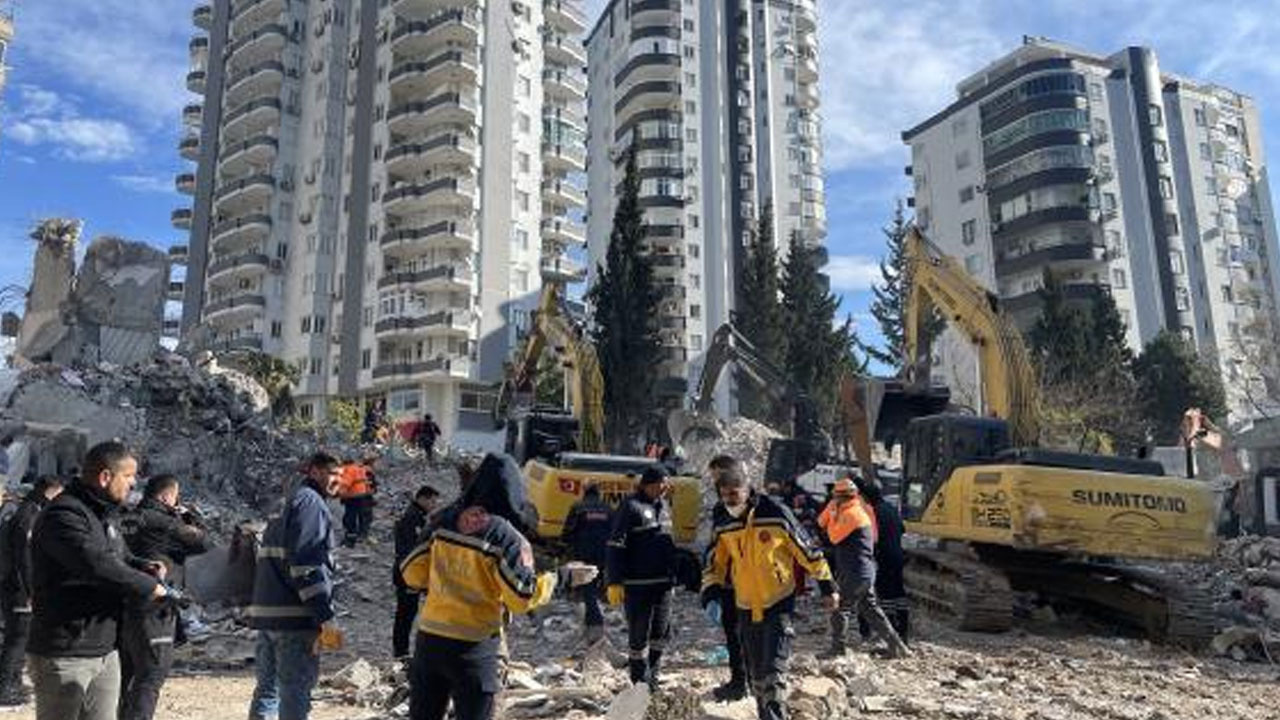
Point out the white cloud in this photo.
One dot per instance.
(44, 117)
(852, 273)
(145, 183)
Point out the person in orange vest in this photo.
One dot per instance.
(356, 494)
(850, 528)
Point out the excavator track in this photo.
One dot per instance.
(965, 593)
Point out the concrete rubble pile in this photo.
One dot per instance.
(1245, 583)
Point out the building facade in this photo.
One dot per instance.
(377, 199)
(1118, 178)
(720, 101)
(6, 37)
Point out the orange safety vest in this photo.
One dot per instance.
(840, 520)
(355, 482)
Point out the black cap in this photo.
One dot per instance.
(652, 475)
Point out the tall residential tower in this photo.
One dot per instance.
(720, 100)
(1117, 177)
(378, 195)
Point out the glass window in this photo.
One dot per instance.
(968, 232)
(1171, 224)
(1119, 279)
(1155, 115)
(962, 159)
(1199, 116)
(1182, 299)
(1206, 153)
(1036, 124)
(1161, 151)
(966, 194)
(973, 264)
(1166, 188)
(1176, 262)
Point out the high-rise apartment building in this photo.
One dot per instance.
(1117, 177)
(382, 187)
(6, 37)
(720, 101)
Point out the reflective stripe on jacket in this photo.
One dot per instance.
(293, 578)
(757, 554)
(471, 578)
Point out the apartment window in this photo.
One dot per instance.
(366, 358)
(1176, 262)
(962, 159)
(966, 194)
(1199, 116)
(695, 343)
(695, 311)
(1155, 115)
(526, 86)
(277, 329)
(367, 316)
(694, 250)
(688, 52)
(690, 79)
(521, 238)
(1166, 188)
(376, 192)
(317, 364)
(691, 134)
(688, 25)
(1119, 279)
(306, 325)
(523, 160)
(306, 411)
(1171, 224)
(968, 232)
(1206, 153)
(959, 127)
(522, 198)
(1161, 151)
(522, 280)
(1182, 299)
(1095, 91)
(1109, 202)
(1227, 295)
(319, 324)
(523, 122)
(693, 221)
(1211, 184)
(973, 264)
(690, 107)
(695, 282)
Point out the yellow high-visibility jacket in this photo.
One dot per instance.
(473, 568)
(758, 553)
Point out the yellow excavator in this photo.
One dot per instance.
(563, 452)
(1006, 517)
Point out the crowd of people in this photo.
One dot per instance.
(92, 589)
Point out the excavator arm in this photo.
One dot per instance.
(1009, 387)
(551, 327)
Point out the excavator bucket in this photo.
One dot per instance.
(686, 427)
(900, 403)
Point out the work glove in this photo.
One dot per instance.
(615, 594)
(329, 639)
(713, 611)
(576, 574)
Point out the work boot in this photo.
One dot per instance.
(639, 673)
(655, 662)
(734, 690)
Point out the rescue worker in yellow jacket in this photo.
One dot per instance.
(850, 525)
(475, 567)
(756, 546)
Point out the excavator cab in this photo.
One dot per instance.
(936, 445)
(541, 433)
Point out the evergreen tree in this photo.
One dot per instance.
(1059, 339)
(816, 348)
(760, 317)
(892, 294)
(1171, 377)
(625, 299)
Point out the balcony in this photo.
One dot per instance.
(1079, 292)
(233, 266)
(563, 232)
(181, 218)
(247, 341)
(189, 147)
(441, 234)
(240, 157)
(565, 15)
(415, 118)
(266, 42)
(443, 322)
(178, 254)
(661, 10)
(234, 306)
(562, 269)
(561, 50)
(260, 80)
(807, 96)
(252, 118)
(673, 354)
(649, 95)
(251, 230)
(1037, 218)
(171, 327)
(562, 194)
(254, 190)
(663, 261)
(564, 158)
(248, 14)
(458, 28)
(807, 69)
(564, 85)
(195, 81)
(649, 66)
(436, 368)
(202, 17)
(805, 16)
(413, 158)
(1068, 253)
(416, 78)
(198, 46)
(193, 115)
(439, 277)
(176, 290)
(410, 198)
(185, 183)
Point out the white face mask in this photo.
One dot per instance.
(736, 510)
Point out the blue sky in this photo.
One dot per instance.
(91, 115)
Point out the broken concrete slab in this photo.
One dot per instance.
(44, 326)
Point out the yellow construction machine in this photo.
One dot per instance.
(1006, 517)
(563, 452)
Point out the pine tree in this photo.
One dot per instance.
(1059, 339)
(625, 299)
(760, 317)
(816, 348)
(892, 295)
(1172, 378)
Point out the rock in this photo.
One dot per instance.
(874, 704)
(524, 680)
(359, 675)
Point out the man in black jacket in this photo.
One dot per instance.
(891, 590)
(586, 530)
(82, 578)
(15, 546)
(408, 529)
(165, 532)
(642, 557)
